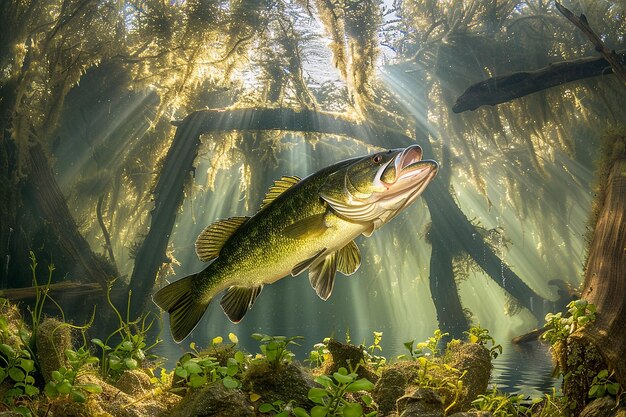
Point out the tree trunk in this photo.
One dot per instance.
(52, 207)
(605, 275)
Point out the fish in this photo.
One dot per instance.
(303, 224)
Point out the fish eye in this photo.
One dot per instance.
(377, 159)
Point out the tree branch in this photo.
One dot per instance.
(609, 55)
(503, 88)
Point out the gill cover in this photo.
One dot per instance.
(377, 187)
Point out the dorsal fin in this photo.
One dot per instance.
(279, 187)
(212, 238)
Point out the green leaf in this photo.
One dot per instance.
(7, 350)
(196, 381)
(64, 387)
(319, 411)
(192, 367)
(266, 408)
(360, 385)
(325, 381)
(78, 396)
(31, 390)
(230, 382)
(98, 342)
(181, 372)
(130, 363)
(613, 388)
(56, 375)
(91, 388)
(16, 374)
(127, 345)
(27, 365)
(300, 412)
(367, 400)
(352, 410)
(317, 395)
(51, 390)
(343, 379)
(603, 374)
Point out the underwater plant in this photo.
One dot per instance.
(331, 399)
(63, 381)
(274, 349)
(430, 347)
(481, 336)
(130, 351)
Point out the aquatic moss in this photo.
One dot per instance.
(53, 338)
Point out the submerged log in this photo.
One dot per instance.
(57, 290)
(503, 88)
(605, 275)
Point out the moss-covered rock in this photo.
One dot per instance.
(475, 362)
(392, 383)
(603, 407)
(53, 338)
(420, 402)
(285, 383)
(135, 383)
(469, 362)
(347, 356)
(214, 400)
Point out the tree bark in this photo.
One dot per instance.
(51, 205)
(605, 275)
(503, 88)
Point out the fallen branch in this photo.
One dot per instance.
(503, 88)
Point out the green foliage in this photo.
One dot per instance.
(374, 361)
(198, 369)
(604, 384)
(281, 409)
(319, 354)
(64, 384)
(331, 399)
(130, 351)
(274, 348)
(482, 337)
(500, 405)
(427, 348)
(559, 328)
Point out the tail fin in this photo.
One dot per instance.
(185, 311)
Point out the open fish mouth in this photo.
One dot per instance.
(408, 169)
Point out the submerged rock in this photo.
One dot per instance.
(475, 361)
(286, 383)
(347, 356)
(214, 400)
(420, 402)
(468, 359)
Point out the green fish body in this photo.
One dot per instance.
(303, 224)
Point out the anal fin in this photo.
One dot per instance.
(238, 300)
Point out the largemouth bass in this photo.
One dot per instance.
(303, 224)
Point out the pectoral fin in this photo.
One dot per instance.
(238, 300)
(322, 275)
(348, 259)
(309, 227)
(213, 237)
